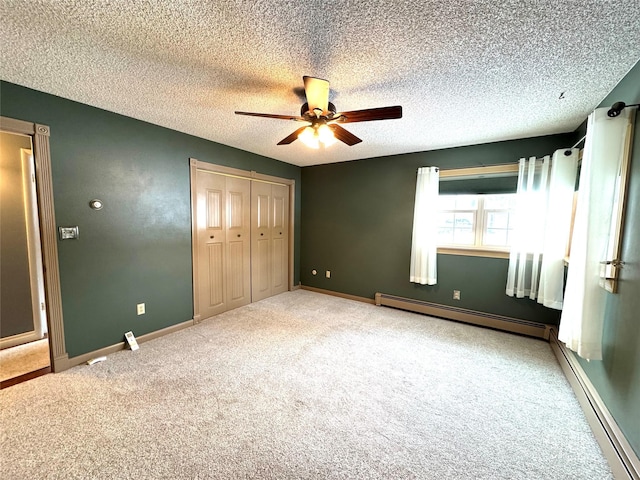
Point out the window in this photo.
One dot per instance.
(484, 222)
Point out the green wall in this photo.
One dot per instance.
(358, 220)
(138, 248)
(617, 376)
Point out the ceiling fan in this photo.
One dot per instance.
(323, 120)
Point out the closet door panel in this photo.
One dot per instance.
(211, 243)
(215, 276)
(261, 285)
(236, 287)
(278, 273)
(263, 199)
(238, 242)
(260, 240)
(279, 239)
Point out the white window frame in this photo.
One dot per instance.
(480, 215)
(478, 250)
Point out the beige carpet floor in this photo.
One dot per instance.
(306, 386)
(25, 358)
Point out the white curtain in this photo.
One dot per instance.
(531, 209)
(425, 235)
(584, 307)
(543, 214)
(562, 185)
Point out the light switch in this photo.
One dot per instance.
(68, 233)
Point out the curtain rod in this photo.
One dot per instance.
(617, 107)
(579, 142)
(614, 111)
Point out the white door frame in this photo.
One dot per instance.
(194, 166)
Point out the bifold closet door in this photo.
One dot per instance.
(238, 242)
(269, 239)
(224, 248)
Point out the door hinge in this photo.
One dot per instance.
(42, 306)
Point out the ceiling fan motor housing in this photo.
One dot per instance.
(305, 112)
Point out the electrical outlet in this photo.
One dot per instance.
(328, 274)
(456, 294)
(140, 308)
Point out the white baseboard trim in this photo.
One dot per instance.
(490, 320)
(103, 352)
(19, 339)
(621, 457)
(338, 294)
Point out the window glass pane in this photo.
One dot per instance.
(495, 237)
(447, 202)
(445, 227)
(464, 220)
(499, 202)
(466, 202)
(445, 236)
(497, 219)
(446, 219)
(463, 236)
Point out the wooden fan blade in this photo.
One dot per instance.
(269, 115)
(370, 114)
(317, 92)
(291, 138)
(344, 135)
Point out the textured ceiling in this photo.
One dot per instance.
(465, 72)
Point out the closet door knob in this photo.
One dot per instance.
(211, 236)
(261, 234)
(238, 235)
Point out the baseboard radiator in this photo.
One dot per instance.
(499, 322)
(622, 459)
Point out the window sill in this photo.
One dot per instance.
(473, 252)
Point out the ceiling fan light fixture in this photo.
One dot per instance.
(309, 137)
(316, 135)
(326, 136)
